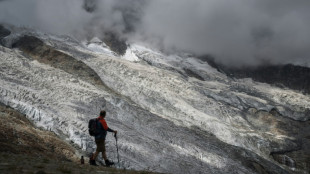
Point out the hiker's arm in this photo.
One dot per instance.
(110, 130)
(105, 126)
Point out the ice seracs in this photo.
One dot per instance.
(172, 108)
(98, 46)
(130, 55)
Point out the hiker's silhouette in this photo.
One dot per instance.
(103, 128)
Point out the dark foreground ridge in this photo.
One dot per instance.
(19, 136)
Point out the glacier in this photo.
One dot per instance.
(173, 113)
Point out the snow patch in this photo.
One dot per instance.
(130, 55)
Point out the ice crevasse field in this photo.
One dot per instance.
(173, 113)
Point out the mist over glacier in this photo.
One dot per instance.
(236, 33)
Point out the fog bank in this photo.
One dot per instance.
(238, 32)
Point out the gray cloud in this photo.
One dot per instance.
(239, 32)
(56, 16)
(235, 32)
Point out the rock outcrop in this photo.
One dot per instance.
(3, 33)
(290, 76)
(38, 50)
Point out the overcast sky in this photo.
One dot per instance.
(235, 32)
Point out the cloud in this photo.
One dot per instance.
(239, 32)
(56, 16)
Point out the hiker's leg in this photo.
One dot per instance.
(95, 155)
(104, 155)
(98, 149)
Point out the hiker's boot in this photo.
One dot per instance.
(93, 163)
(108, 163)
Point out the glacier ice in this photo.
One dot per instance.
(168, 121)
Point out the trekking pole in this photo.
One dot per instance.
(119, 165)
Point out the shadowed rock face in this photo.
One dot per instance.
(38, 50)
(290, 76)
(116, 44)
(3, 33)
(295, 156)
(190, 73)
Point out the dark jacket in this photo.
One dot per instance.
(103, 127)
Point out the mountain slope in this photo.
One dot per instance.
(174, 114)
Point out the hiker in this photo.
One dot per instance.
(100, 140)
